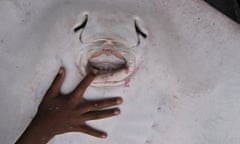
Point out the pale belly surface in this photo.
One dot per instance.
(179, 61)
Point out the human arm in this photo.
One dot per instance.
(58, 113)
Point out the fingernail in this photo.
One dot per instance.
(119, 101)
(94, 71)
(60, 71)
(116, 112)
(104, 136)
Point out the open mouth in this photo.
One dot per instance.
(113, 65)
(107, 63)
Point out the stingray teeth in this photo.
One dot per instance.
(107, 67)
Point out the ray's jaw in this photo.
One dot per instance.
(114, 66)
(107, 67)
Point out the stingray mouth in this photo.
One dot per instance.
(113, 65)
(105, 63)
(107, 67)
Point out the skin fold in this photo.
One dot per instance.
(58, 113)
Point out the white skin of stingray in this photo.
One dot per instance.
(185, 90)
(110, 34)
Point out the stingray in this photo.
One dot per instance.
(175, 63)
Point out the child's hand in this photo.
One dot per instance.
(58, 114)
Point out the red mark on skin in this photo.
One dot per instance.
(127, 82)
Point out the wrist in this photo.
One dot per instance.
(37, 133)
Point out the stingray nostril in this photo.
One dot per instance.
(82, 25)
(139, 30)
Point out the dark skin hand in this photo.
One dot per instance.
(58, 113)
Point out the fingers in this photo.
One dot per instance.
(95, 115)
(57, 83)
(81, 88)
(101, 104)
(93, 132)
